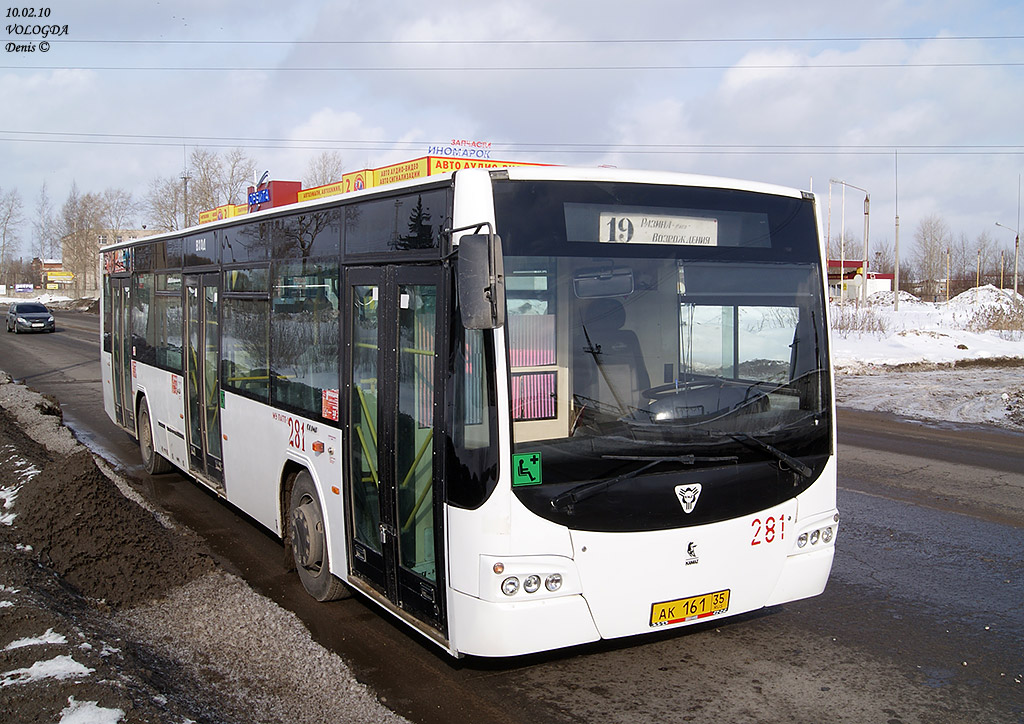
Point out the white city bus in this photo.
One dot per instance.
(519, 409)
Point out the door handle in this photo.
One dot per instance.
(387, 530)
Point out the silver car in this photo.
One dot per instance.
(29, 317)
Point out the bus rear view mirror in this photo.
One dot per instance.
(481, 281)
(603, 282)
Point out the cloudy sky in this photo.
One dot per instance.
(786, 92)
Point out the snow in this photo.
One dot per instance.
(88, 712)
(45, 298)
(939, 332)
(956, 361)
(59, 667)
(47, 638)
(25, 471)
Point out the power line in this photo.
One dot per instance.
(551, 41)
(508, 145)
(77, 138)
(510, 68)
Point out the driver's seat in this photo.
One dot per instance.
(608, 364)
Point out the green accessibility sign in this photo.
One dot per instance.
(526, 469)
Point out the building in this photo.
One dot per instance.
(80, 254)
(845, 279)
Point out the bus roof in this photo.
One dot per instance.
(538, 173)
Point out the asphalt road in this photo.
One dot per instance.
(922, 621)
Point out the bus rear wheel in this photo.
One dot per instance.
(154, 462)
(308, 540)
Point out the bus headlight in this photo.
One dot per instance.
(527, 578)
(818, 534)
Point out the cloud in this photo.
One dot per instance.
(555, 102)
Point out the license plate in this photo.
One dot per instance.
(688, 609)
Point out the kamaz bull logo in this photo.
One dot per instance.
(688, 495)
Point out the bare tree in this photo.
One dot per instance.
(323, 169)
(932, 241)
(209, 181)
(884, 261)
(988, 251)
(10, 220)
(117, 212)
(238, 170)
(81, 229)
(46, 244)
(961, 264)
(164, 204)
(844, 245)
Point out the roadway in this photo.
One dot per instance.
(922, 620)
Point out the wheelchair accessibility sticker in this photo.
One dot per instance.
(526, 469)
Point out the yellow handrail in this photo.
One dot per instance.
(368, 456)
(429, 486)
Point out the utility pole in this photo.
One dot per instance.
(864, 278)
(1016, 255)
(867, 209)
(896, 270)
(948, 261)
(977, 278)
(184, 181)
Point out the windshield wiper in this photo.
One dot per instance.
(792, 462)
(565, 501)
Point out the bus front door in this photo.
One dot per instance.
(121, 351)
(202, 386)
(393, 397)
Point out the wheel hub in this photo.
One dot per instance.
(307, 535)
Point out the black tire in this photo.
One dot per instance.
(308, 540)
(154, 462)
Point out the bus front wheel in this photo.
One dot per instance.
(154, 462)
(308, 540)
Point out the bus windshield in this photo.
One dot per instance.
(665, 333)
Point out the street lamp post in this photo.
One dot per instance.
(867, 216)
(1016, 254)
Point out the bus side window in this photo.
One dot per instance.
(472, 447)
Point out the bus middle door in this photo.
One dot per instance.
(394, 391)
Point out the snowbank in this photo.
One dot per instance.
(981, 324)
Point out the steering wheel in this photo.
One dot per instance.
(662, 391)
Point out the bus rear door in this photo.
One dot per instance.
(202, 364)
(121, 350)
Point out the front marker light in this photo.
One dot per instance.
(510, 586)
(553, 582)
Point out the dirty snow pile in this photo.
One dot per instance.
(958, 361)
(127, 620)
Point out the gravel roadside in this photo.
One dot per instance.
(128, 619)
